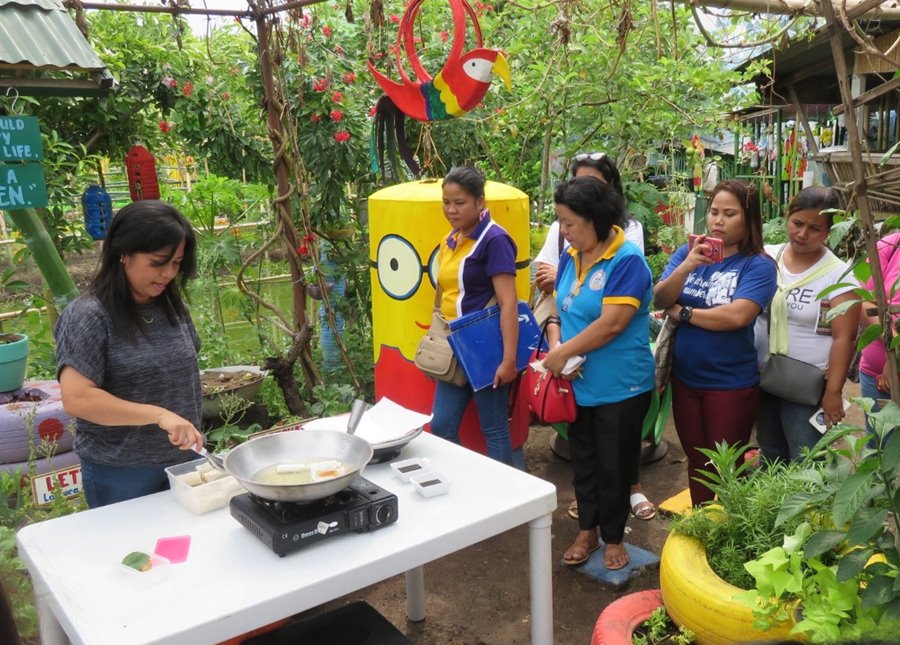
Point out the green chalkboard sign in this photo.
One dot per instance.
(22, 185)
(20, 139)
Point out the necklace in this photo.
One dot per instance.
(148, 321)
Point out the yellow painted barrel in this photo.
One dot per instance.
(406, 223)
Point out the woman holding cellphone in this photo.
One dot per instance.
(715, 377)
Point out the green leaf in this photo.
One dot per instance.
(821, 542)
(792, 506)
(841, 309)
(862, 270)
(867, 523)
(887, 155)
(850, 496)
(870, 333)
(878, 592)
(853, 563)
(890, 456)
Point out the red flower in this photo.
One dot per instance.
(327, 31)
(226, 96)
(342, 137)
(164, 126)
(336, 115)
(168, 81)
(339, 50)
(315, 118)
(337, 97)
(395, 18)
(372, 111)
(348, 77)
(320, 85)
(444, 36)
(187, 89)
(379, 55)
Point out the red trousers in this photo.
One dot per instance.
(704, 418)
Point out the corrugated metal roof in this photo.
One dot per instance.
(41, 34)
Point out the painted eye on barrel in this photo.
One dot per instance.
(398, 266)
(433, 267)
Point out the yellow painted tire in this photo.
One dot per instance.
(699, 600)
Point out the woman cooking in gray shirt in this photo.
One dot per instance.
(127, 357)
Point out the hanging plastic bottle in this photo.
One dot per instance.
(143, 182)
(98, 211)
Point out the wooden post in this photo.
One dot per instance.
(282, 205)
(860, 191)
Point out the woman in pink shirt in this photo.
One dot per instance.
(873, 382)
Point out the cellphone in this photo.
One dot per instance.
(817, 420)
(716, 250)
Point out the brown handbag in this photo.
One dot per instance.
(435, 357)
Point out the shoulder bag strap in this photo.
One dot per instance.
(778, 337)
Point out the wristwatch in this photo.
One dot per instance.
(685, 314)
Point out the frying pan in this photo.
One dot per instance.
(298, 446)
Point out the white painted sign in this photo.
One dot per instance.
(65, 480)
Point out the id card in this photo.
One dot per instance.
(823, 325)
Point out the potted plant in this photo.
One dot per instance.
(620, 618)
(702, 563)
(13, 361)
(842, 570)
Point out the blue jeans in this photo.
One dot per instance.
(783, 428)
(450, 403)
(104, 485)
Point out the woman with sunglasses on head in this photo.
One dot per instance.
(476, 266)
(796, 325)
(715, 377)
(602, 167)
(603, 293)
(127, 357)
(585, 164)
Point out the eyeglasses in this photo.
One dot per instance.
(593, 156)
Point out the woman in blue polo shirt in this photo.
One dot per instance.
(715, 376)
(476, 264)
(602, 299)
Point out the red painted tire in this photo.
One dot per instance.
(619, 620)
(49, 420)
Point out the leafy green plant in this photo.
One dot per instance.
(230, 433)
(742, 523)
(659, 628)
(671, 237)
(332, 399)
(658, 262)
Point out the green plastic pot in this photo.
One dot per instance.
(13, 361)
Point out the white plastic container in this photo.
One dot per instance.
(407, 468)
(201, 498)
(430, 484)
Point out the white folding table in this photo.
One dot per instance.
(232, 583)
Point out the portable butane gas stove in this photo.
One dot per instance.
(288, 526)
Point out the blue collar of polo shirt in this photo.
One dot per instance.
(483, 220)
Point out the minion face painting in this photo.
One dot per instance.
(406, 223)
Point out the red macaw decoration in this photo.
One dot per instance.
(458, 87)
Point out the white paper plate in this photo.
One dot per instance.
(339, 423)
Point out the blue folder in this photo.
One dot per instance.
(478, 344)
